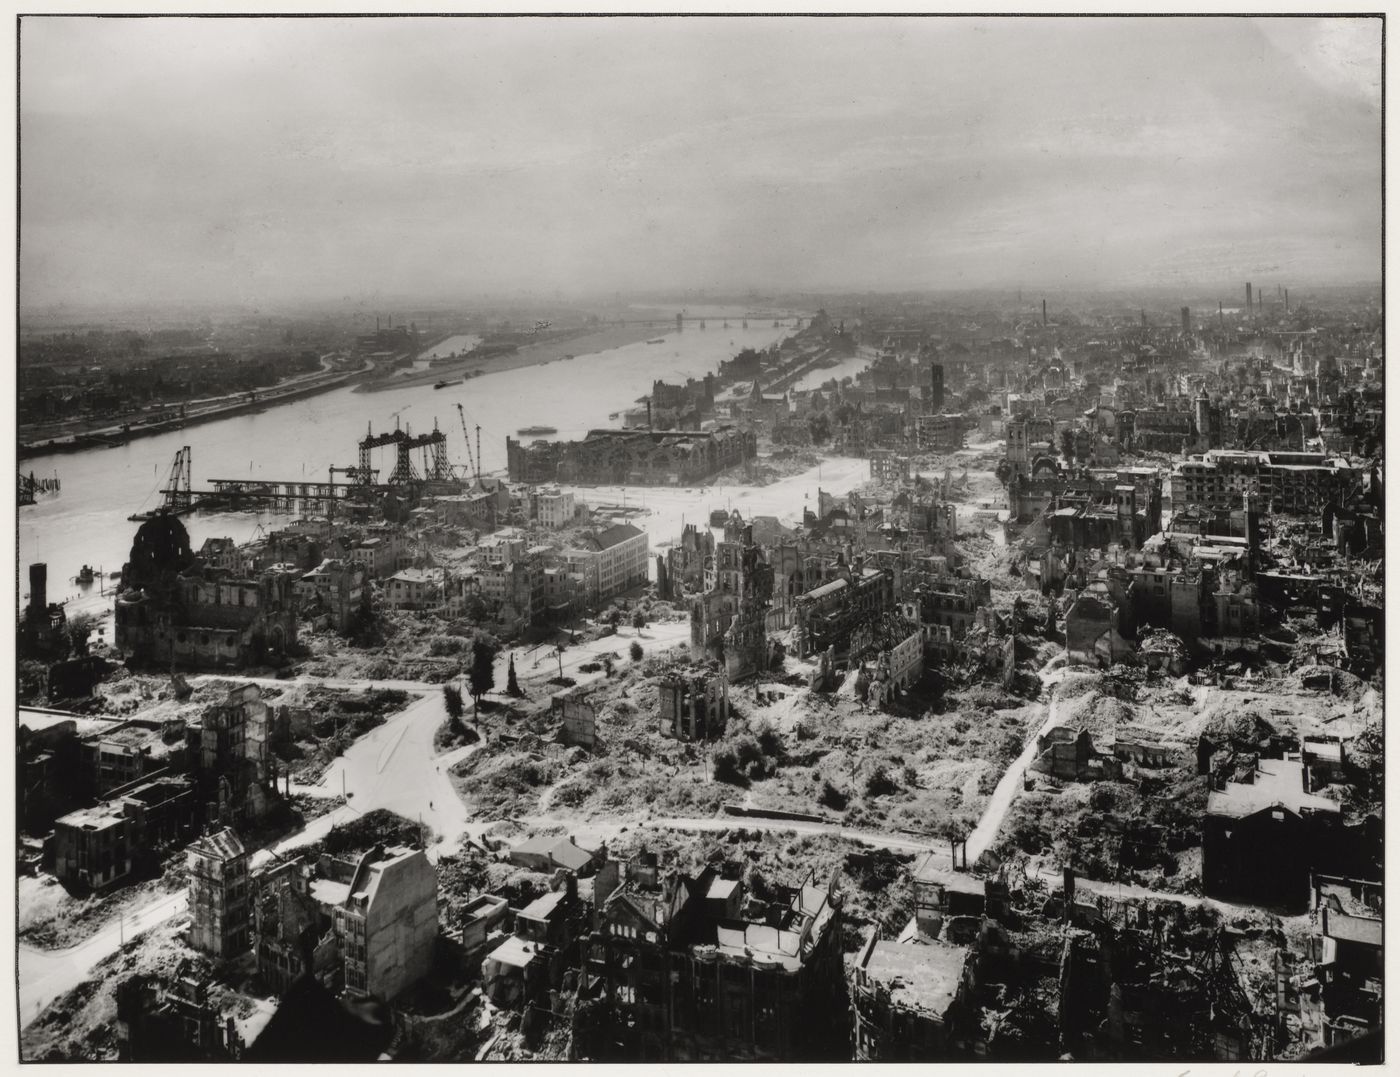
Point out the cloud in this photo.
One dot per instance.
(183, 159)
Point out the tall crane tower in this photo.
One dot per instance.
(473, 461)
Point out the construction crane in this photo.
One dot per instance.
(355, 474)
(466, 435)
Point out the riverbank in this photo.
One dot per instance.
(530, 355)
(106, 437)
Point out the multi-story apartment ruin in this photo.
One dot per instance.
(728, 622)
(694, 969)
(1295, 482)
(218, 873)
(842, 613)
(237, 771)
(388, 922)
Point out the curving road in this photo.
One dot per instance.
(46, 974)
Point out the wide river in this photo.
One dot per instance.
(87, 523)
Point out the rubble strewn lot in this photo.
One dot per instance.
(926, 769)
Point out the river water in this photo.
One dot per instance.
(87, 523)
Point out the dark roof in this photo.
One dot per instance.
(221, 846)
(616, 534)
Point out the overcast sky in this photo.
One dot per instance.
(282, 159)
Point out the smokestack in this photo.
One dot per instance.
(1143, 315)
(1044, 317)
(1285, 300)
(1186, 320)
(39, 587)
(1249, 299)
(649, 415)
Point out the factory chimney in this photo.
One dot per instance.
(1044, 315)
(38, 587)
(1249, 299)
(1285, 300)
(1186, 320)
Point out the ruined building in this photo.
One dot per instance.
(173, 1021)
(237, 771)
(99, 847)
(728, 622)
(388, 922)
(1138, 992)
(693, 704)
(685, 564)
(693, 969)
(218, 871)
(898, 650)
(843, 613)
(1263, 832)
(909, 999)
(293, 935)
(42, 628)
(1098, 624)
(174, 610)
(632, 457)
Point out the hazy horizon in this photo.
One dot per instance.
(282, 161)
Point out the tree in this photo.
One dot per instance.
(79, 628)
(512, 685)
(452, 698)
(639, 620)
(831, 797)
(726, 766)
(1067, 445)
(635, 651)
(482, 674)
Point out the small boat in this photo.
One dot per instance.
(445, 384)
(85, 576)
(537, 430)
(658, 340)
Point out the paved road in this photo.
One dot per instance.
(606, 829)
(985, 832)
(46, 974)
(396, 767)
